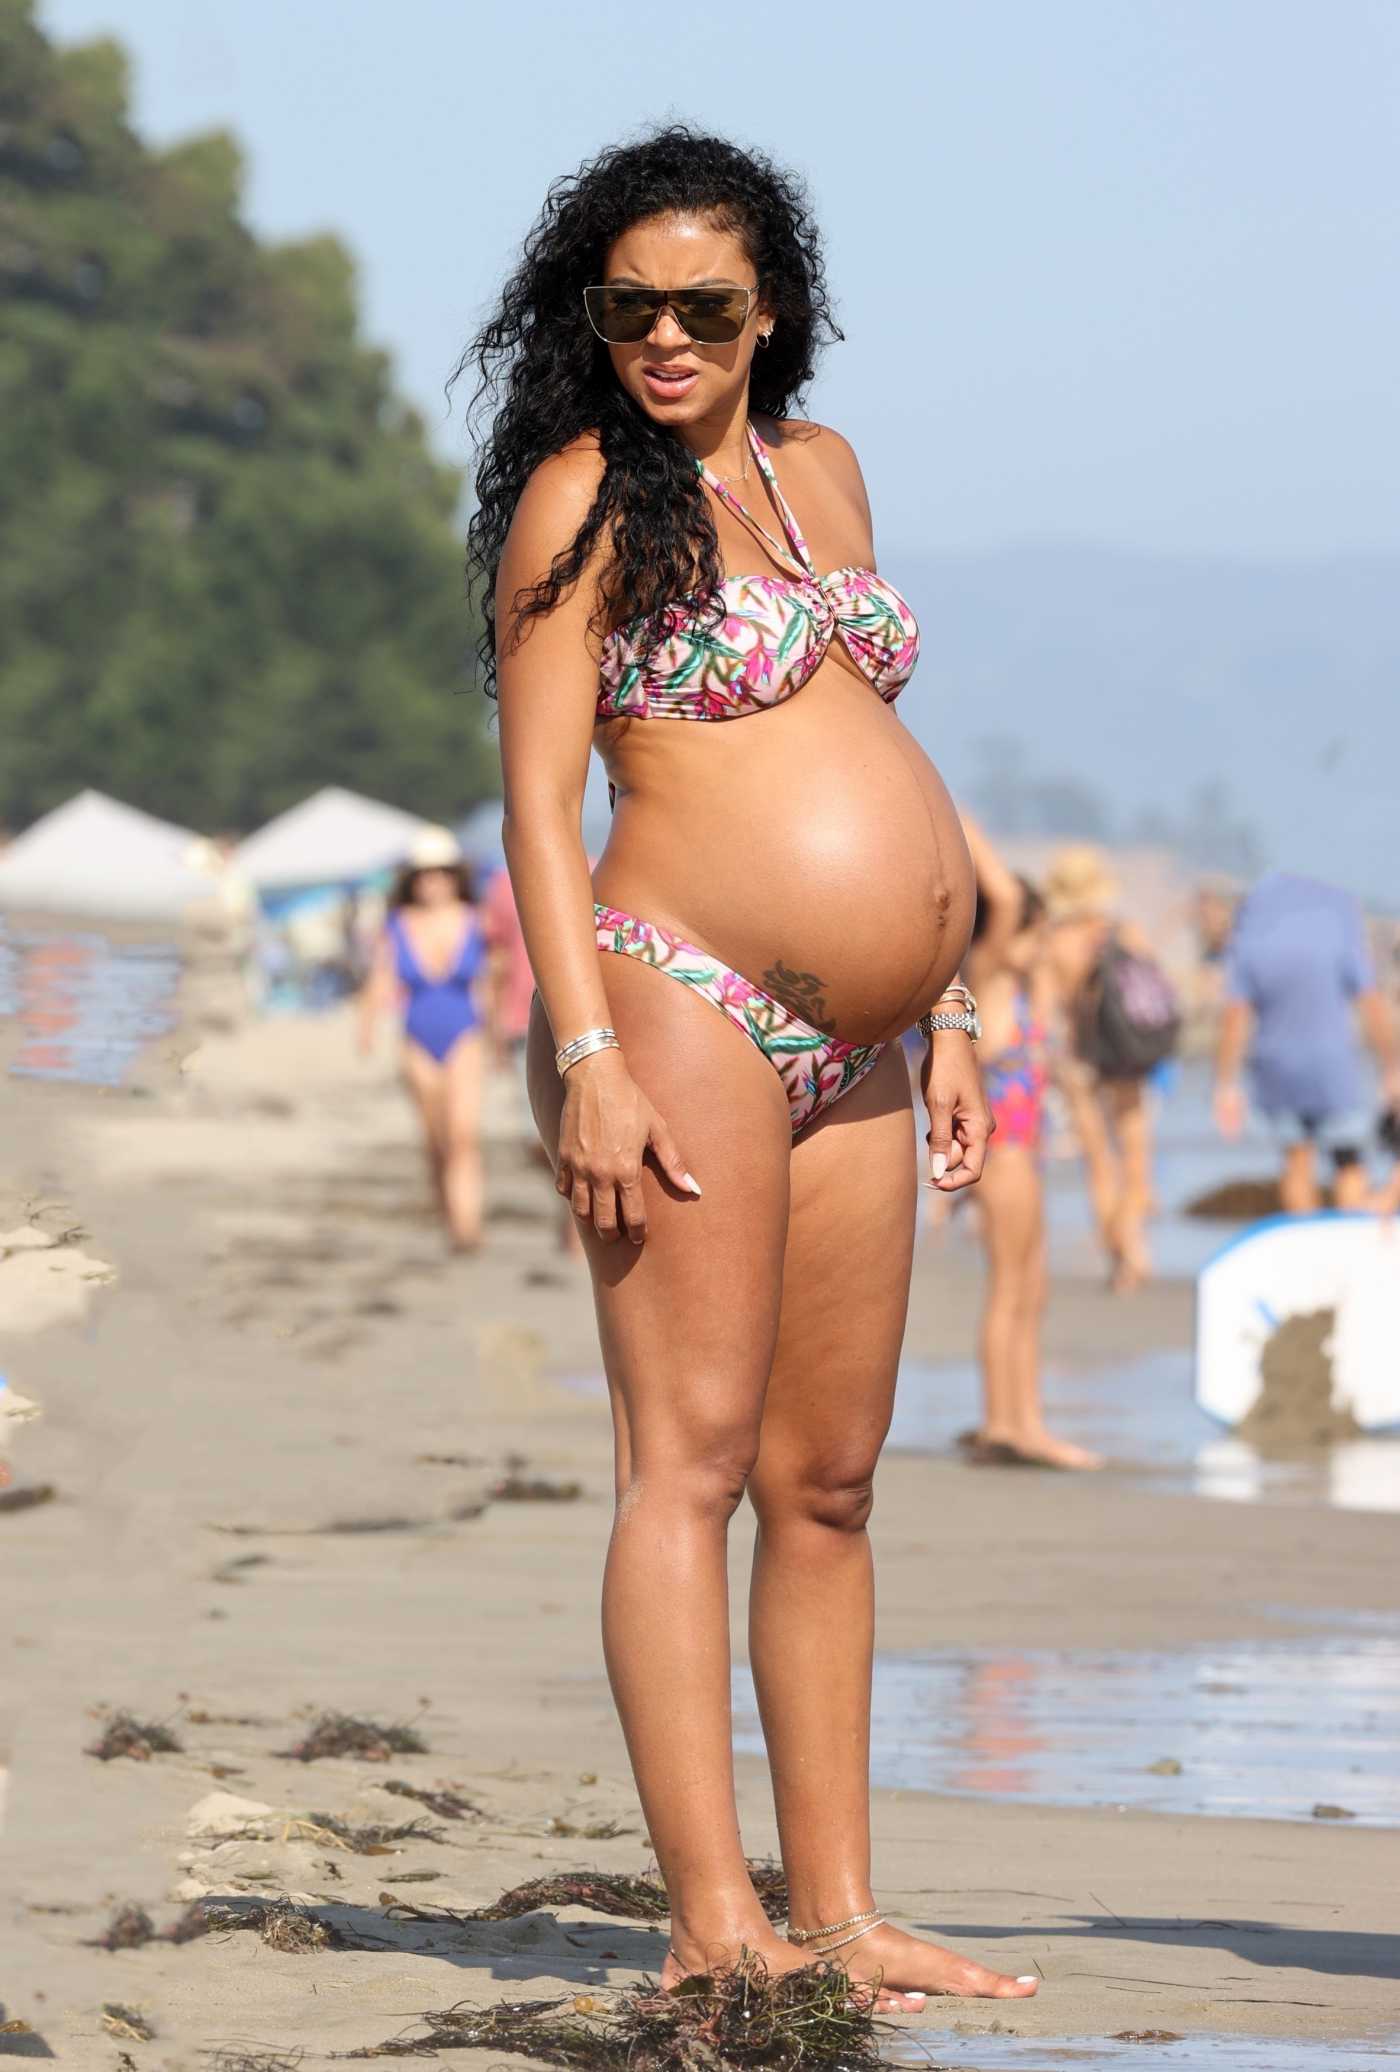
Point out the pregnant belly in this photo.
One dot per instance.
(813, 848)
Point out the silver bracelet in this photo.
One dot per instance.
(970, 1024)
(583, 1047)
(967, 1018)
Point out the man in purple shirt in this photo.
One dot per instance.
(1298, 978)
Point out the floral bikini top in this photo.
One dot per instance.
(775, 632)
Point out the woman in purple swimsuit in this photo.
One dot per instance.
(431, 962)
(678, 572)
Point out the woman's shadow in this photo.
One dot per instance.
(532, 1946)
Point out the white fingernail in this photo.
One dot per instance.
(692, 1183)
(938, 1165)
(1027, 1978)
(916, 1996)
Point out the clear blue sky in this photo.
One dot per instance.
(1112, 270)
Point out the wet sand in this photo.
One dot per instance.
(283, 1347)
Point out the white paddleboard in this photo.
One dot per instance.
(1289, 1266)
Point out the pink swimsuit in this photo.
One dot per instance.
(774, 633)
(1014, 1081)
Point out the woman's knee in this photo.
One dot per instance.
(461, 1134)
(835, 1491)
(702, 1466)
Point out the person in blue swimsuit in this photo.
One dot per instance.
(431, 962)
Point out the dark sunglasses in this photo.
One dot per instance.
(709, 316)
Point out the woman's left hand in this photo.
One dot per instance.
(960, 1122)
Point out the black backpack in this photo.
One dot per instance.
(1129, 1016)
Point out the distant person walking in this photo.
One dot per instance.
(512, 994)
(429, 963)
(512, 984)
(1300, 985)
(1005, 967)
(1121, 1022)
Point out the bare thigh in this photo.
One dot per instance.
(463, 1077)
(426, 1080)
(1009, 1204)
(850, 1249)
(689, 1319)
(1130, 1118)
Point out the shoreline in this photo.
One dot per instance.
(285, 1339)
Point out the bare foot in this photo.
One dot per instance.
(906, 1964)
(1043, 1450)
(991, 1453)
(1132, 1267)
(1035, 1448)
(778, 1957)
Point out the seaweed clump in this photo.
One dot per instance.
(281, 1926)
(770, 1883)
(127, 2023)
(238, 2060)
(533, 1489)
(130, 1928)
(447, 1803)
(801, 2021)
(376, 1838)
(619, 1893)
(606, 1892)
(139, 1739)
(341, 1733)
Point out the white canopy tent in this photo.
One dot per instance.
(95, 856)
(480, 833)
(333, 838)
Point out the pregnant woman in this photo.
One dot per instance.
(679, 573)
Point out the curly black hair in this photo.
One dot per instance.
(543, 378)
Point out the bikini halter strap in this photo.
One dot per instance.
(796, 550)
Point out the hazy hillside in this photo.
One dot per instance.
(230, 566)
(1146, 679)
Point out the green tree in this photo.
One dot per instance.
(229, 564)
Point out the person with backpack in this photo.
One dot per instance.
(1122, 1021)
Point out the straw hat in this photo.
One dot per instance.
(435, 849)
(1079, 883)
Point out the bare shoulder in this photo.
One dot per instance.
(818, 446)
(553, 505)
(559, 493)
(820, 464)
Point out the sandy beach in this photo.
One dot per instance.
(274, 1413)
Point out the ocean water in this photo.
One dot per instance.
(85, 1005)
(1160, 2051)
(1212, 1729)
(1141, 1412)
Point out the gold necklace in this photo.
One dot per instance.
(748, 453)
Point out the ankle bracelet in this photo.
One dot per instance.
(807, 1935)
(828, 1949)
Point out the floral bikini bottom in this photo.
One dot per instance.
(815, 1069)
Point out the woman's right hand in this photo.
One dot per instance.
(1230, 1110)
(607, 1128)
